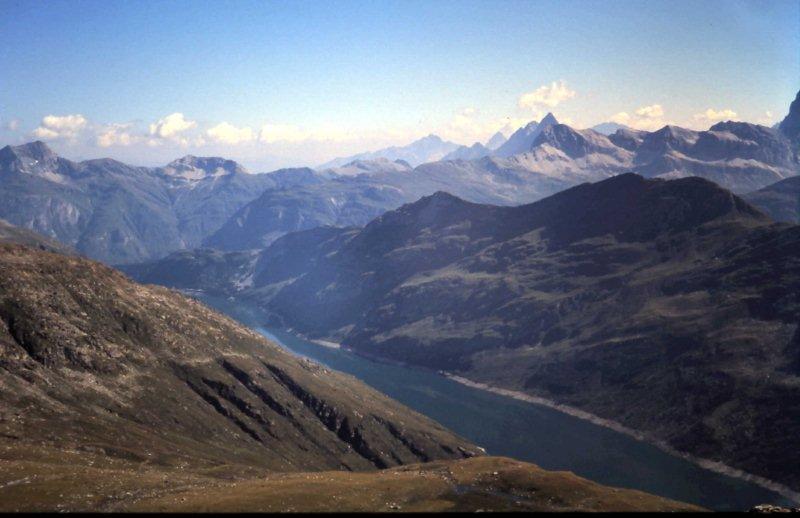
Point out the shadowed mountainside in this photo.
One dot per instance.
(94, 362)
(121, 397)
(669, 306)
(780, 200)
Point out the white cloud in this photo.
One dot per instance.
(171, 126)
(711, 116)
(470, 125)
(650, 112)
(548, 96)
(55, 127)
(768, 119)
(647, 118)
(115, 135)
(226, 133)
(12, 125)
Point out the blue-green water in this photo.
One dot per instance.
(526, 431)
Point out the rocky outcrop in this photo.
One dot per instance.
(89, 359)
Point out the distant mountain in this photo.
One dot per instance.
(608, 128)
(355, 200)
(669, 306)
(426, 149)
(360, 166)
(790, 125)
(194, 168)
(497, 140)
(739, 156)
(521, 140)
(122, 214)
(477, 150)
(780, 200)
(118, 213)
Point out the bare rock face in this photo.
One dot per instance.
(790, 125)
(92, 361)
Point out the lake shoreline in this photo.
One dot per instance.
(256, 321)
(711, 465)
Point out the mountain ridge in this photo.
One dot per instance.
(119, 213)
(425, 149)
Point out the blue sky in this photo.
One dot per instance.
(288, 83)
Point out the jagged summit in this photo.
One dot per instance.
(34, 158)
(36, 151)
(522, 139)
(548, 120)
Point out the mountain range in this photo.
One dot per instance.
(118, 213)
(122, 214)
(426, 149)
(607, 297)
(739, 156)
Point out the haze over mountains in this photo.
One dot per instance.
(426, 149)
(123, 214)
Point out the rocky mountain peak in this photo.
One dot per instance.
(36, 150)
(548, 120)
(32, 158)
(522, 139)
(192, 167)
(790, 125)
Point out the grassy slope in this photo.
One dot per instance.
(54, 480)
